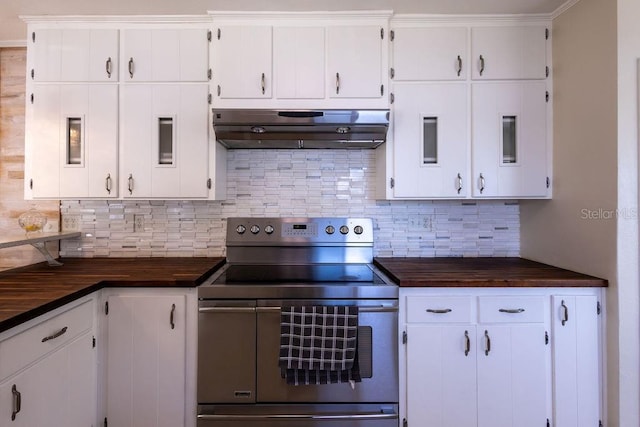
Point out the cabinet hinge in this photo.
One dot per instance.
(546, 34)
(106, 308)
(382, 33)
(33, 36)
(219, 33)
(392, 35)
(93, 342)
(209, 99)
(209, 74)
(392, 72)
(209, 183)
(404, 337)
(381, 90)
(546, 96)
(546, 71)
(209, 35)
(392, 182)
(546, 338)
(598, 308)
(33, 73)
(548, 182)
(392, 98)
(404, 422)
(31, 184)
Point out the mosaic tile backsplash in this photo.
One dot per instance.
(292, 183)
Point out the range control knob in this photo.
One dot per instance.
(255, 229)
(344, 229)
(241, 229)
(358, 229)
(330, 229)
(268, 229)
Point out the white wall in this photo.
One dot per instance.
(578, 229)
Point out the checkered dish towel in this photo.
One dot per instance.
(318, 345)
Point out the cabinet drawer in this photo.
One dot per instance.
(26, 347)
(528, 309)
(439, 309)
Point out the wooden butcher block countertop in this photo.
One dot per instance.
(28, 292)
(481, 272)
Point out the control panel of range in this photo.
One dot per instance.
(299, 230)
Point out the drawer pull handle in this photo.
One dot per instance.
(565, 313)
(56, 335)
(511, 310)
(487, 343)
(439, 310)
(467, 343)
(17, 402)
(173, 311)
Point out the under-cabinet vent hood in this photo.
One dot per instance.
(242, 128)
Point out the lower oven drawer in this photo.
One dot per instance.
(347, 415)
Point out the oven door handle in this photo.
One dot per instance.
(226, 309)
(293, 417)
(361, 309)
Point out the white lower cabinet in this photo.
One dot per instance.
(497, 358)
(48, 370)
(149, 378)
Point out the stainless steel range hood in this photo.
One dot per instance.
(243, 128)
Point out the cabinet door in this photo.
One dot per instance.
(576, 361)
(438, 53)
(44, 152)
(509, 140)
(75, 55)
(512, 375)
(169, 55)
(165, 141)
(89, 142)
(441, 379)
(354, 61)
(146, 360)
(430, 140)
(299, 61)
(499, 53)
(241, 61)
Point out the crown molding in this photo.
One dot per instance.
(302, 15)
(563, 8)
(116, 19)
(469, 19)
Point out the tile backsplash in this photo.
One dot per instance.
(292, 183)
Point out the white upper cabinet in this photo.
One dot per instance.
(354, 64)
(74, 55)
(299, 62)
(509, 52)
(430, 140)
(241, 61)
(165, 55)
(509, 139)
(430, 53)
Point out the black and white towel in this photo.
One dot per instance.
(318, 344)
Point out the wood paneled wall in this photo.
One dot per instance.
(12, 203)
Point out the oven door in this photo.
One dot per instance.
(346, 415)
(377, 355)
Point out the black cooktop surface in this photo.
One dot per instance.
(342, 274)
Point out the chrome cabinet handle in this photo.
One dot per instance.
(337, 83)
(263, 83)
(171, 321)
(511, 310)
(439, 310)
(108, 67)
(131, 67)
(487, 343)
(481, 183)
(17, 402)
(459, 183)
(459, 65)
(56, 335)
(565, 312)
(130, 183)
(467, 343)
(481, 64)
(107, 183)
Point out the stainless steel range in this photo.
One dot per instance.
(280, 264)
